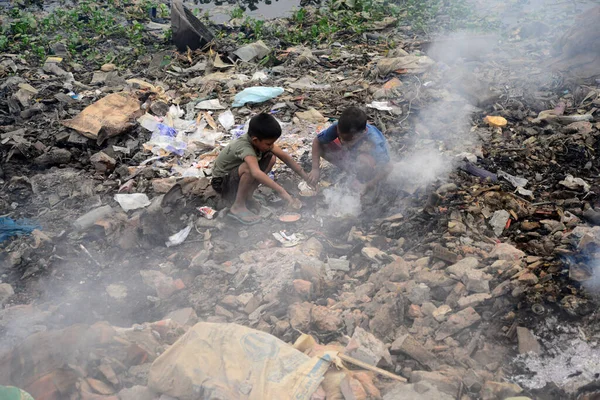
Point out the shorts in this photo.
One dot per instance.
(227, 186)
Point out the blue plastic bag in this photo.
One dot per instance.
(9, 228)
(256, 94)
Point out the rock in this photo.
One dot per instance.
(163, 185)
(303, 288)
(223, 312)
(530, 225)
(498, 221)
(414, 311)
(245, 298)
(311, 116)
(365, 347)
(325, 319)
(100, 387)
(200, 259)
(6, 291)
(184, 316)
(473, 300)
(137, 393)
(300, 316)
(363, 290)
(501, 289)
(53, 157)
(352, 389)
(108, 67)
(441, 382)
(475, 281)
(387, 317)
(457, 227)
(164, 285)
(460, 268)
(441, 312)
(528, 278)
(312, 248)
(252, 305)
(396, 271)
(338, 264)
(419, 294)
(375, 255)
(102, 162)
(89, 219)
(417, 391)
(505, 251)
(117, 291)
(406, 344)
(499, 390)
(457, 322)
(527, 341)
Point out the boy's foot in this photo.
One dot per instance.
(245, 217)
(254, 205)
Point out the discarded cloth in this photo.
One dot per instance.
(9, 228)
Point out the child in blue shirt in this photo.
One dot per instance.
(356, 147)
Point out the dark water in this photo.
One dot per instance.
(220, 10)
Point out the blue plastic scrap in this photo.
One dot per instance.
(9, 228)
(256, 94)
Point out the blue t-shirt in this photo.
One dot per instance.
(373, 143)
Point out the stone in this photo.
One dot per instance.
(53, 157)
(418, 391)
(501, 289)
(527, 341)
(324, 319)
(498, 221)
(100, 387)
(440, 313)
(441, 382)
(363, 290)
(312, 248)
(396, 271)
(352, 389)
(419, 294)
(303, 288)
(499, 390)
(244, 299)
(102, 162)
(223, 312)
(475, 281)
(364, 346)
(530, 226)
(108, 67)
(184, 316)
(163, 185)
(117, 291)
(281, 327)
(414, 311)
(528, 278)
(6, 291)
(428, 308)
(457, 322)
(299, 314)
(375, 255)
(137, 393)
(422, 262)
(473, 300)
(338, 264)
(387, 317)
(460, 268)
(457, 227)
(505, 251)
(406, 344)
(252, 305)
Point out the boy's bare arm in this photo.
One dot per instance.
(263, 178)
(315, 172)
(289, 161)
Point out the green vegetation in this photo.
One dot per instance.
(86, 30)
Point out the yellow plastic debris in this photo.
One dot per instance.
(494, 121)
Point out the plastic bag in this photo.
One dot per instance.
(256, 94)
(165, 138)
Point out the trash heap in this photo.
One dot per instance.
(453, 283)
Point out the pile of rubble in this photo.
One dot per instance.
(429, 293)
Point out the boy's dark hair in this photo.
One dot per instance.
(353, 120)
(264, 126)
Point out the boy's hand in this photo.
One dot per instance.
(292, 203)
(313, 177)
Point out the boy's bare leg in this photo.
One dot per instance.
(246, 187)
(250, 202)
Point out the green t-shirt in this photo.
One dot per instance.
(232, 156)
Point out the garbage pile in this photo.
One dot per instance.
(429, 290)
